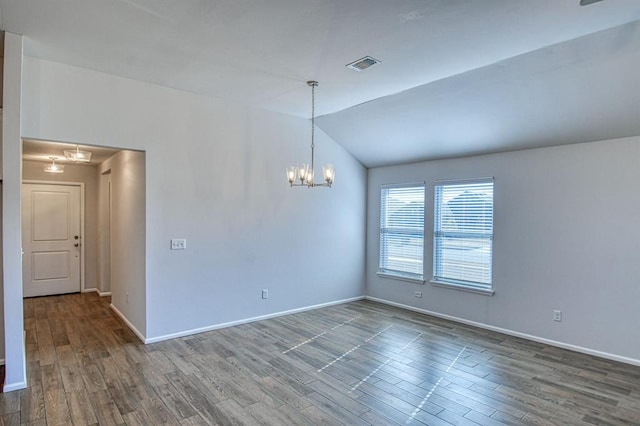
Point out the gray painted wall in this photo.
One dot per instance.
(11, 215)
(1, 290)
(215, 176)
(128, 232)
(104, 231)
(567, 236)
(33, 170)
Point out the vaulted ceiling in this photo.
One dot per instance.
(457, 77)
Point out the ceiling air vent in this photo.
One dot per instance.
(588, 2)
(363, 63)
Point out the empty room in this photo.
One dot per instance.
(320, 212)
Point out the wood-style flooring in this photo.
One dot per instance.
(356, 363)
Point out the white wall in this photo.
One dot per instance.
(33, 170)
(215, 176)
(2, 360)
(104, 232)
(1, 272)
(127, 234)
(16, 377)
(567, 236)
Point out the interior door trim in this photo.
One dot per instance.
(82, 233)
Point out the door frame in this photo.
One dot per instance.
(82, 234)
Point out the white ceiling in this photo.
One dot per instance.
(261, 53)
(583, 90)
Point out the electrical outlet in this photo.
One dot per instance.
(265, 294)
(557, 315)
(417, 293)
(178, 244)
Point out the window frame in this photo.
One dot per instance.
(438, 279)
(383, 267)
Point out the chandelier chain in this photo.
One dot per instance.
(313, 124)
(313, 113)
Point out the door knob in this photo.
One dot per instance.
(76, 244)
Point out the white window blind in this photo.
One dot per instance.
(402, 230)
(463, 233)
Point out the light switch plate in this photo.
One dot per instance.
(178, 244)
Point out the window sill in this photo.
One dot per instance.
(415, 280)
(460, 287)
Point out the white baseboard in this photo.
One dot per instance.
(550, 342)
(10, 387)
(126, 321)
(100, 293)
(247, 320)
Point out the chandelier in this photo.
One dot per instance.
(303, 174)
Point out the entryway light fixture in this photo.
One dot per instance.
(304, 173)
(77, 155)
(53, 167)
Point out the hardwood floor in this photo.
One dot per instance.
(357, 363)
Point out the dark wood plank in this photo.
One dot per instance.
(175, 402)
(56, 408)
(80, 408)
(105, 409)
(32, 404)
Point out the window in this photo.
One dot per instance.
(463, 234)
(402, 231)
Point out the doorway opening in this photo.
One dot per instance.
(110, 237)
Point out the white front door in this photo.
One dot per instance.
(50, 239)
